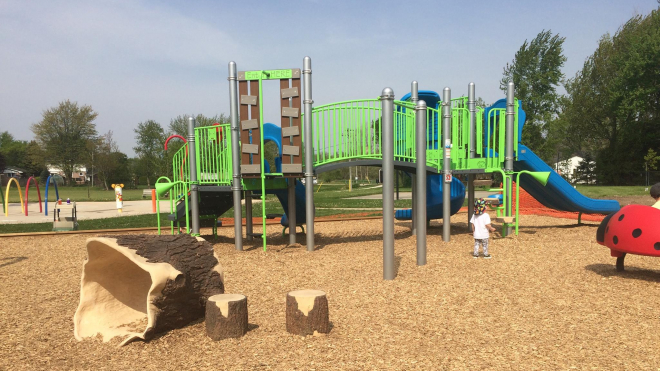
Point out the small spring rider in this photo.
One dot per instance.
(118, 196)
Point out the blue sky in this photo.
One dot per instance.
(138, 60)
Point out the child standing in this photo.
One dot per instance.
(480, 222)
(655, 193)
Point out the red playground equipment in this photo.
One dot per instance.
(27, 188)
(631, 230)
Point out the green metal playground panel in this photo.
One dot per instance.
(180, 172)
(213, 151)
(349, 130)
(352, 130)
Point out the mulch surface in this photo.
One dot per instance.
(549, 299)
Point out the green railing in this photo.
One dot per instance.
(180, 173)
(352, 130)
(213, 152)
(495, 136)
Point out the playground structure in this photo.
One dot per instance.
(433, 138)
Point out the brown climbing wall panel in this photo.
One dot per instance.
(250, 126)
(290, 93)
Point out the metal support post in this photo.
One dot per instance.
(420, 118)
(446, 165)
(194, 190)
(249, 229)
(292, 210)
(472, 108)
(309, 152)
(508, 159)
(235, 157)
(387, 120)
(414, 97)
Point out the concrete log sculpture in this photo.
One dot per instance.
(135, 286)
(226, 316)
(307, 312)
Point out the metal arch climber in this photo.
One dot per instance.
(27, 188)
(57, 192)
(7, 195)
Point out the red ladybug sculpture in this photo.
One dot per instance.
(635, 229)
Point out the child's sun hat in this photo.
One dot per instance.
(479, 206)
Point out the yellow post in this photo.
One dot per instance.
(7, 195)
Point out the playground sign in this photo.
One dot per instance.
(447, 178)
(269, 75)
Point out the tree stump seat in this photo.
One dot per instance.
(307, 312)
(226, 316)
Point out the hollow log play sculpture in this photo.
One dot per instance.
(135, 286)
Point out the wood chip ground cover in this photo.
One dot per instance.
(549, 299)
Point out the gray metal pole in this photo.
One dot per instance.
(309, 152)
(249, 230)
(292, 210)
(235, 159)
(446, 165)
(508, 159)
(472, 108)
(414, 97)
(194, 196)
(387, 135)
(420, 118)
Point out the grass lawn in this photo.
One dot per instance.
(612, 191)
(134, 221)
(74, 193)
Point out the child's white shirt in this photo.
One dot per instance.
(480, 222)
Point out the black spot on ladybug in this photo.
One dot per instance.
(621, 217)
(657, 246)
(615, 239)
(637, 232)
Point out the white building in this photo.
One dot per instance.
(79, 174)
(568, 167)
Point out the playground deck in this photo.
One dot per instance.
(549, 299)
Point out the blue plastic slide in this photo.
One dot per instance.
(283, 196)
(434, 198)
(558, 193)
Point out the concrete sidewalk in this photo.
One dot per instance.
(85, 210)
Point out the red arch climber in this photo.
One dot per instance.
(27, 188)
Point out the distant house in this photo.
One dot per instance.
(79, 174)
(13, 172)
(568, 168)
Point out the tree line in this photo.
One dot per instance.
(67, 138)
(610, 112)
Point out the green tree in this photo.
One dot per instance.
(613, 103)
(64, 132)
(3, 163)
(651, 161)
(108, 162)
(35, 159)
(586, 169)
(179, 124)
(13, 150)
(150, 138)
(536, 73)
